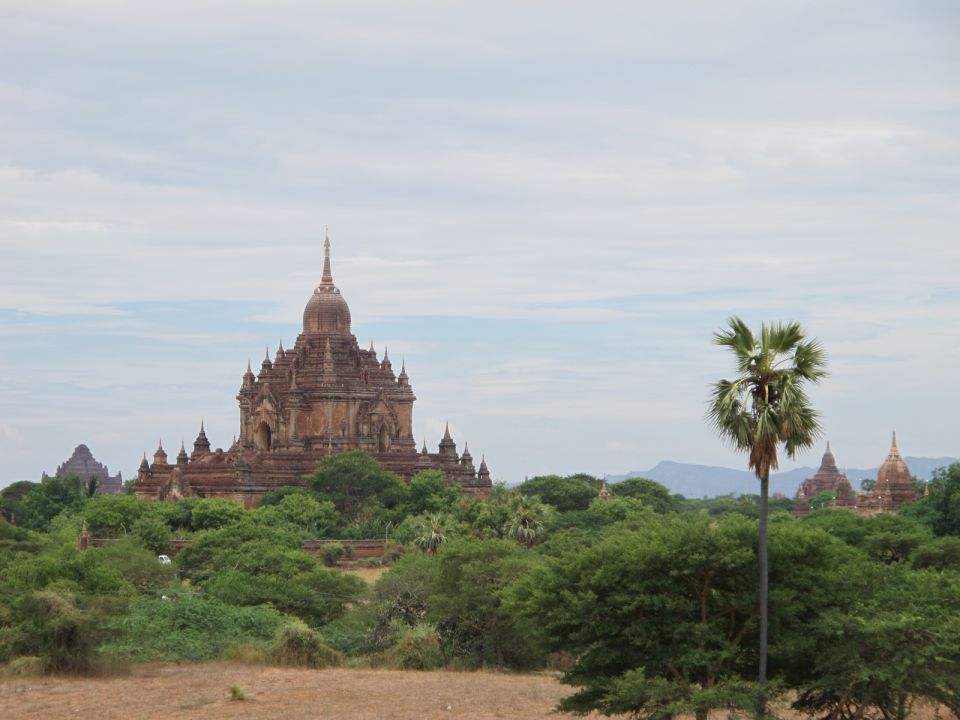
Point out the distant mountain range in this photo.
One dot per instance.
(695, 481)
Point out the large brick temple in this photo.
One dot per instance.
(893, 489)
(323, 396)
(85, 466)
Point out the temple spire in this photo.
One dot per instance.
(894, 450)
(327, 275)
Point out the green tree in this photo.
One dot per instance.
(566, 494)
(940, 508)
(652, 493)
(432, 533)
(661, 619)
(154, 534)
(353, 481)
(428, 492)
(488, 518)
(527, 523)
(112, 515)
(213, 513)
(248, 564)
(401, 596)
(822, 499)
(468, 605)
(897, 645)
(91, 487)
(940, 554)
(763, 407)
(48, 499)
(313, 518)
(11, 500)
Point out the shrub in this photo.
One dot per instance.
(237, 693)
(185, 626)
(154, 534)
(246, 654)
(332, 553)
(64, 636)
(300, 646)
(25, 666)
(417, 648)
(350, 635)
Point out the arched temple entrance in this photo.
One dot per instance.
(262, 438)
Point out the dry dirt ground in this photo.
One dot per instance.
(203, 691)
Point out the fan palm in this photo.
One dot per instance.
(527, 525)
(763, 407)
(433, 534)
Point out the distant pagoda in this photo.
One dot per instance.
(893, 489)
(85, 466)
(827, 479)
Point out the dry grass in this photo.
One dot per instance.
(369, 575)
(204, 691)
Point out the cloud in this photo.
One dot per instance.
(548, 216)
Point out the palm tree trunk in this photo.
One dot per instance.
(764, 573)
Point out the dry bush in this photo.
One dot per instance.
(246, 654)
(416, 648)
(300, 646)
(21, 667)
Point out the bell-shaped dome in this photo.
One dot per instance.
(326, 312)
(894, 470)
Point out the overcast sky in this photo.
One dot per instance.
(546, 208)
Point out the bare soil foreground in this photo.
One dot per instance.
(203, 691)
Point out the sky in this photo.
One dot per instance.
(545, 208)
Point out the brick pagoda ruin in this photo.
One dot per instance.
(323, 396)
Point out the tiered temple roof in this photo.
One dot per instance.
(322, 396)
(82, 464)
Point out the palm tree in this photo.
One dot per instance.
(433, 535)
(91, 487)
(764, 406)
(527, 525)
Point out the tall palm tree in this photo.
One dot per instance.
(764, 406)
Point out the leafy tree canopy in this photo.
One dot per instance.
(353, 480)
(660, 619)
(653, 494)
(566, 494)
(940, 508)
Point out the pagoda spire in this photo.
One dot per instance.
(327, 275)
(894, 450)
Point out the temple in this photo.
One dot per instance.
(893, 488)
(827, 479)
(323, 396)
(85, 466)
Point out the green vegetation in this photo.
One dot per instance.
(647, 601)
(763, 407)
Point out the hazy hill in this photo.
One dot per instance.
(710, 480)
